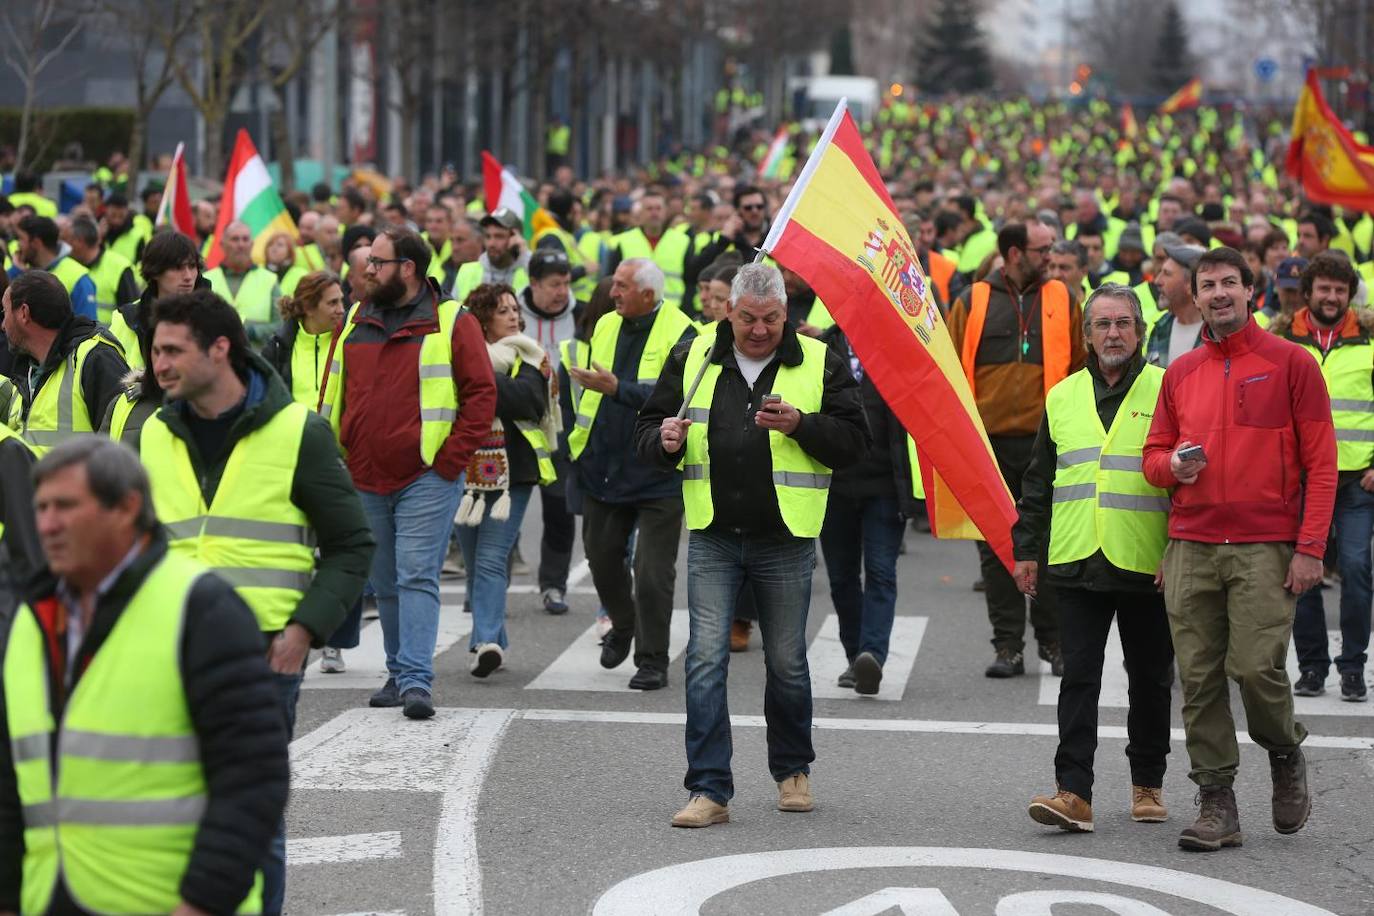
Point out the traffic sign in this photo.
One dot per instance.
(1266, 68)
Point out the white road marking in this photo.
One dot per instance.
(1042, 903)
(457, 872)
(579, 666)
(1329, 703)
(908, 901)
(454, 590)
(1114, 683)
(827, 662)
(376, 913)
(682, 890)
(355, 847)
(367, 663)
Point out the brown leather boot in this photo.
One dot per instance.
(794, 793)
(1218, 822)
(1147, 805)
(1292, 802)
(739, 635)
(1064, 810)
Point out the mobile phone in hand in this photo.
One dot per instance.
(1192, 453)
(770, 400)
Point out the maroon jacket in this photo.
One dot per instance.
(1257, 404)
(380, 426)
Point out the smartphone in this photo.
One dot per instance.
(771, 399)
(1192, 453)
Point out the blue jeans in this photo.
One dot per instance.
(780, 570)
(486, 548)
(863, 535)
(1354, 522)
(274, 869)
(411, 527)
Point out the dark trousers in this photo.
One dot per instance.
(642, 602)
(1354, 523)
(274, 869)
(349, 633)
(556, 543)
(1085, 618)
(1006, 604)
(860, 541)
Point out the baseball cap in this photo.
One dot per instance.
(1289, 274)
(1187, 255)
(545, 261)
(504, 217)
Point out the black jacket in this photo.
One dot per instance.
(21, 556)
(102, 374)
(886, 470)
(607, 469)
(741, 461)
(322, 490)
(525, 398)
(138, 315)
(277, 350)
(1031, 533)
(238, 723)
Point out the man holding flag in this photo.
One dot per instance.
(1018, 334)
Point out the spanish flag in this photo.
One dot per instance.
(840, 230)
(1332, 166)
(1190, 96)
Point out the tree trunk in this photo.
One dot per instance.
(214, 142)
(281, 142)
(410, 116)
(136, 137)
(25, 125)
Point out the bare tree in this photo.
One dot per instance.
(289, 38)
(31, 37)
(1120, 37)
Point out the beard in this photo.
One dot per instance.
(386, 295)
(1114, 360)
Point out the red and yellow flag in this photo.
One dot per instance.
(1332, 166)
(1189, 96)
(840, 231)
(1129, 128)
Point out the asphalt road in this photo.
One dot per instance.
(548, 788)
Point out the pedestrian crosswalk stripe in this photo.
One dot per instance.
(367, 663)
(579, 667)
(1114, 684)
(1329, 703)
(827, 660)
(354, 847)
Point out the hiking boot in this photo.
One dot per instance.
(555, 602)
(615, 647)
(1352, 687)
(1147, 805)
(1007, 664)
(846, 678)
(1218, 823)
(1064, 810)
(1292, 802)
(1310, 684)
(418, 704)
(794, 793)
(332, 662)
(868, 673)
(739, 635)
(387, 697)
(701, 812)
(1049, 652)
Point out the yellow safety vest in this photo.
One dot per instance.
(116, 822)
(534, 435)
(41, 205)
(670, 254)
(58, 409)
(669, 324)
(109, 266)
(1101, 498)
(288, 281)
(252, 535)
(119, 417)
(438, 393)
(577, 353)
(69, 270)
(801, 482)
(128, 340)
(469, 277)
(1347, 368)
(138, 233)
(309, 363)
(583, 288)
(254, 299)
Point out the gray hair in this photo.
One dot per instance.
(1121, 292)
(113, 471)
(647, 275)
(758, 281)
(85, 229)
(1070, 246)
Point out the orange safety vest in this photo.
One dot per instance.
(1056, 347)
(941, 271)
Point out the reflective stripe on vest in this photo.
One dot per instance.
(670, 254)
(58, 411)
(1056, 343)
(534, 435)
(802, 483)
(669, 325)
(254, 299)
(128, 774)
(1346, 369)
(438, 393)
(252, 535)
(577, 353)
(1101, 499)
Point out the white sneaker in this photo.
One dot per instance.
(487, 659)
(603, 626)
(332, 662)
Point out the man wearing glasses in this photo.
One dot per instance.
(410, 394)
(744, 230)
(1085, 498)
(1018, 334)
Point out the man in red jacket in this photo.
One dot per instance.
(1246, 535)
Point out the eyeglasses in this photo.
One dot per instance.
(751, 206)
(1043, 249)
(378, 262)
(1106, 324)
